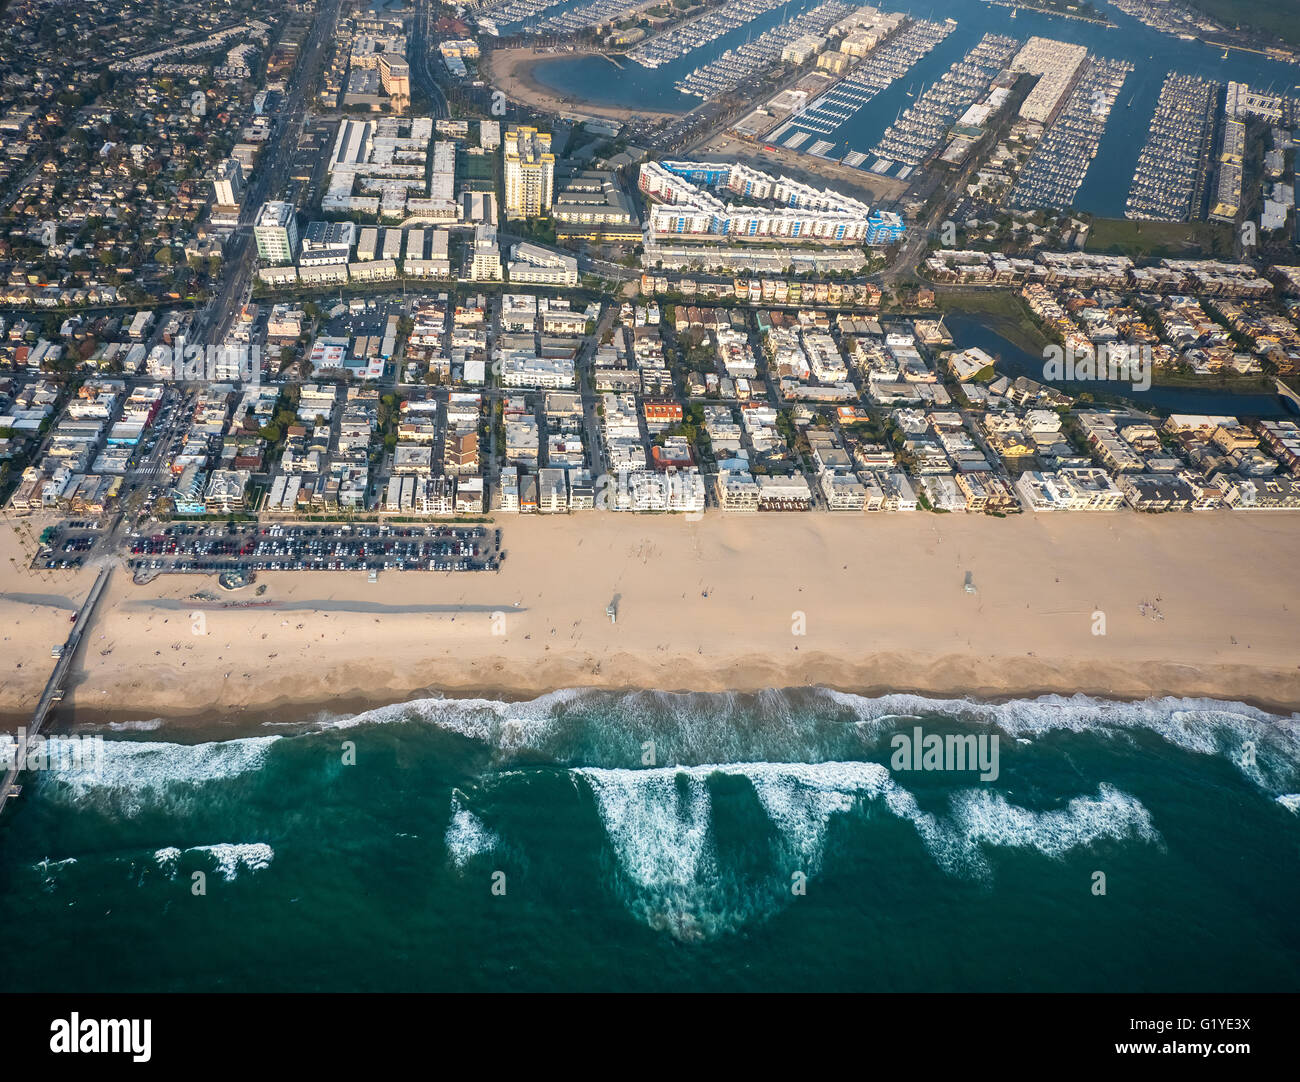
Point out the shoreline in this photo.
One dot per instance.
(513, 72)
(294, 716)
(864, 604)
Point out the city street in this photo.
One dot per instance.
(421, 46)
(269, 177)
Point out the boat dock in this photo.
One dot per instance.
(53, 693)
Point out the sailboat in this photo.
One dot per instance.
(1013, 12)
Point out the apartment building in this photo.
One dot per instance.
(276, 233)
(529, 172)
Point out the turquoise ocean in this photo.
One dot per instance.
(666, 841)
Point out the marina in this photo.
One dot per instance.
(846, 99)
(917, 133)
(731, 69)
(1169, 182)
(1083, 12)
(1105, 187)
(696, 33)
(491, 16)
(585, 16)
(1056, 169)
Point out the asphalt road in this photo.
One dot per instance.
(421, 71)
(269, 177)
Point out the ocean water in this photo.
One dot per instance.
(611, 873)
(1106, 186)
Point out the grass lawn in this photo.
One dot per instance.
(1167, 239)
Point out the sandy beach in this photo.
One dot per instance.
(512, 70)
(1189, 606)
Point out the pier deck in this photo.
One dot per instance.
(54, 687)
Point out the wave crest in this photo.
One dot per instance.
(229, 858)
(467, 835)
(129, 775)
(659, 826)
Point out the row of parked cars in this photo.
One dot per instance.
(249, 547)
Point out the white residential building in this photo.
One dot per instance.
(276, 232)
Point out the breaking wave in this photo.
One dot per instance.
(488, 720)
(658, 822)
(671, 875)
(611, 729)
(1264, 747)
(129, 775)
(980, 819)
(228, 859)
(467, 835)
(799, 750)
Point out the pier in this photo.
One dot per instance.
(54, 687)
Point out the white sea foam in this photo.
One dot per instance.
(1291, 802)
(795, 724)
(980, 818)
(579, 723)
(801, 798)
(135, 726)
(987, 817)
(661, 834)
(490, 721)
(49, 870)
(659, 824)
(232, 857)
(1201, 726)
(49, 867)
(168, 859)
(467, 835)
(131, 774)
